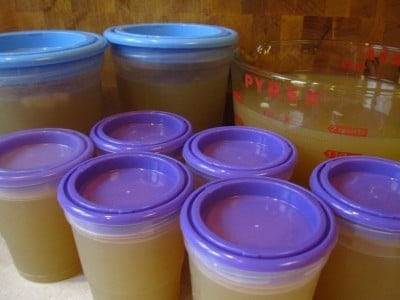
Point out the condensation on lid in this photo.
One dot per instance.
(33, 156)
(363, 189)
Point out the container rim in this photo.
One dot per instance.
(209, 166)
(32, 48)
(345, 207)
(81, 208)
(235, 255)
(171, 35)
(246, 61)
(100, 132)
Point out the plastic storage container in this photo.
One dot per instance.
(177, 67)
(137, 131)
(50, 78)
(235, 151)
(364, 193)
(124, 212)
(32, 223)
(256, 238)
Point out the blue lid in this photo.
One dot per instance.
(46, 47)
(171, 35)
(232, 151)
(362, 189)
(39, 155)
(125, 188)
(258, 224)
(153, 131)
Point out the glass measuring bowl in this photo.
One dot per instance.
(330, 98)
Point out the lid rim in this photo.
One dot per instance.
(119, 35)
(93, 45)
(107, 143)
(82, 145)
(238, 259)
(369, 218)
(211, 167)
(74, 206)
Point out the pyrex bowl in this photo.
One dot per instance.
(330, 98)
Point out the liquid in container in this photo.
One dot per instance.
(364, 193)
(50, 78)
(32, 223)
(330, 98)
(177, 67)
(124, 212)
(235, 151)
(138, 131)
(256, 238)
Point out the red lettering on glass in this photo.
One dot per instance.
(345, 65)
(312, 98)
(383, 57)
(351, 66)
(370, 53)
(237, 96)
(396, 59)
(273, 89)
(291, 94)
(334, 153)
(248, 80)
(259, 84)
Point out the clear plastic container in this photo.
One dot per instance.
(32, 223)
(364, 193)
(138, 131)
(124, 212)
(50, 78)
(330, 98)
(256, 238)
(236, 151)
(177, 67)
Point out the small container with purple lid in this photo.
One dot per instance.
(256, 238)
(32, 163)
(364, 194)
(144, 130)
(235, 151)
(124, 212)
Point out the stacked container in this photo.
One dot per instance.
(32, 223)
(364, 193)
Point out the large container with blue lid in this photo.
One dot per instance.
(178, 67)
(254, 238)
(38, 237)
(364, 193)
(50, 78)
(124, 212)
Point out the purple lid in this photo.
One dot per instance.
(154, 131)
(125, 188)
(35, 156)
(362, 189)
(232, 151)
(258, 224)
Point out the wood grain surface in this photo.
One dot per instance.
(374, 21)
